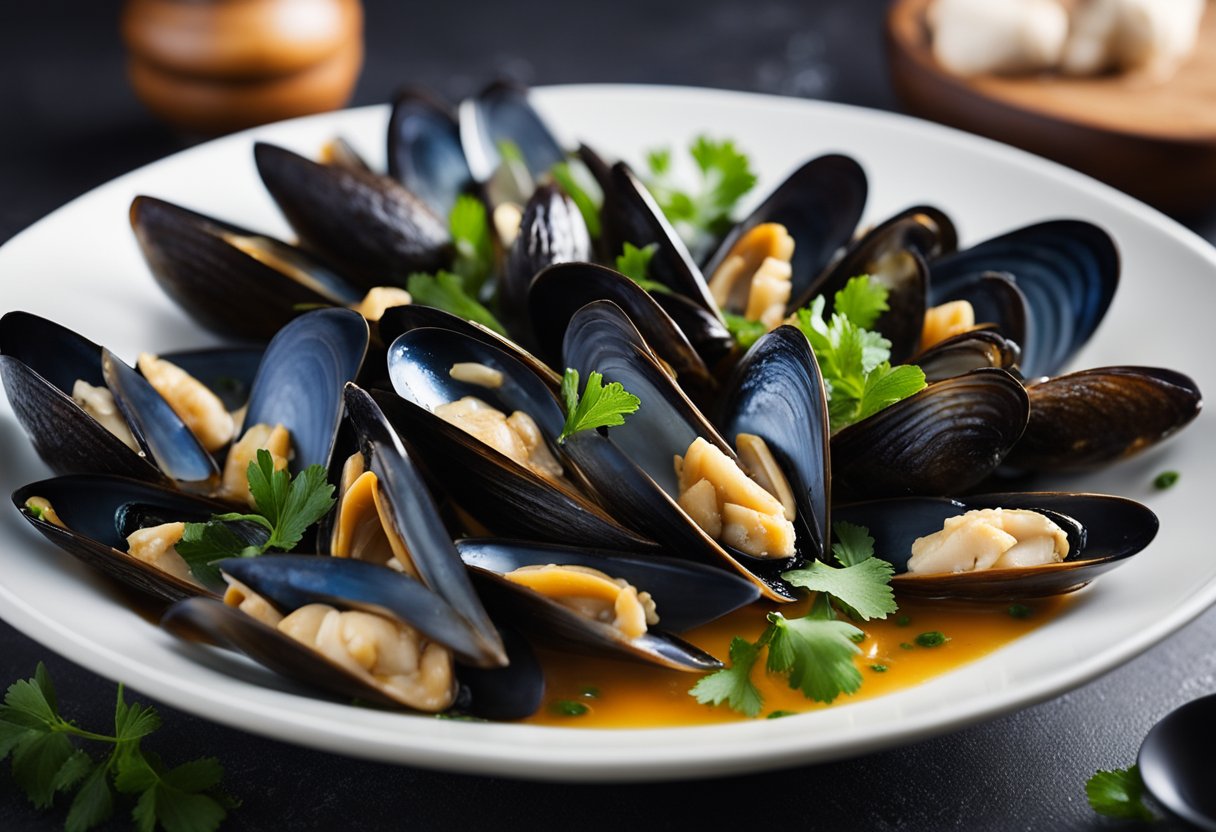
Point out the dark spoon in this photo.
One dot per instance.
(1178, 762)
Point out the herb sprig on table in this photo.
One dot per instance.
(47, 760)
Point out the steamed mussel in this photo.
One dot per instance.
(472, 522)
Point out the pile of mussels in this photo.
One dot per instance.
(415, 609)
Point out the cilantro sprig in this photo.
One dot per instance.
(599, 406)
(47, 761)
(854, 360)
(579, 189)
(446, 291)
(470, 232)
(634, 263)
(1118, 793)
(815, 652)
(704, 214)
(284, 507)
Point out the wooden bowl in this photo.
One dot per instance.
(1156, 142)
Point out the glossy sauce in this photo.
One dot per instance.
(619, 694)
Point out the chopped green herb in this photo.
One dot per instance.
(34, 509)
(854, 544)
(744, 331)
(456, 716)
(781, 714)
(600, 406)
(285, 508)
(933, 638)
(634, 263)
(576, 188)
(470, 231)
(863, 588)
(1020, 611)
(733, 684)
(46, 761)
(817, 655)
(903, 621)
(1118, 794)
(857, 372)
(568, 707)
(446, 291)
(1164, 480)
(879, 668)
(907, 645)
(703, 215)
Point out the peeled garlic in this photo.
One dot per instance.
(975, 37)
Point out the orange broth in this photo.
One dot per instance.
(620, 694)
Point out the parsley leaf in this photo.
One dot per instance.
(1164, 480)
(853, 545)
(285, 508)
(733, 684)
(576, 187)
(817, 654)
(46, 761)
(446, 291)
(726, 175)
(470, 232)
(1118, 794)
(864, 587)
(634, 262)
(857, 373)
(599, 406)
(744, 331)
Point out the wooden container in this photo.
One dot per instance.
(1156, 142)
(212, 66)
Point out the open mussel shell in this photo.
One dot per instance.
(1068, 271)
(552, 231)
(501, 114)
(416, 520)
(1103, 532)
(819, 204)
(631, 465)
(703, 329)
(561, 290)
(1092, 417)
(968, 351)
(398, 320)
(999, 302)
(686, 594)
(424, 151)
(373, 229)
(100, 511)
(504, 495)
(943, 440)
(777, 393)
(229, 279)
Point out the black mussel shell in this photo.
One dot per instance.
(968, 351)
(502, 113)
(943, 440)
(300, 380)
(97, 511)
(1093, 417)
(998, 301)
(777, 393)
(505, 496)
(552, 231)
(206, 266)
(560, 291)
(819, 204)
(686, 594)
(416, 519)
(511, 692)
(1103, 532)
(370, 226)
(338, 151)
(424, 152)
(703, 329)
(1067, 269)
(631, 466)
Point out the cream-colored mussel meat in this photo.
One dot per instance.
(754, 278)
(592, 594)
(387, 654)
(991, 538)
(364, 528)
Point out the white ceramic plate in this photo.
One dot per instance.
(80, 266)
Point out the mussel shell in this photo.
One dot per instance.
(504, 495)
(777, 393)
(511, 692)
(370, 226)
(301, 378)
(415, 517)
(686, 594)
(502, 113)
(1105, 531)
(219, 285)
(424, 151)
(997, 300)
(819, 204)
(398, 320)
(632, 465)
(552, 231)
(1093, 417)
(968, 351)
(1067, 269)
(293, 581)
(560, 291)
(93, 507)
(339, 151)
(703, 329)
(942, 440)
(548, 621)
